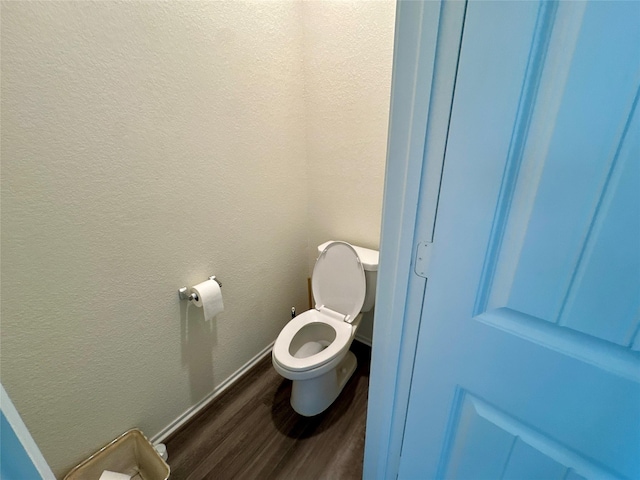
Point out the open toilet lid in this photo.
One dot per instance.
(338, 280)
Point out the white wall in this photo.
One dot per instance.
(146, 146)
(348, 54)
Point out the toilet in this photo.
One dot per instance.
(312, 350)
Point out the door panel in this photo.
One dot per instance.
(526, 363)
(590, 152)
(491, 444)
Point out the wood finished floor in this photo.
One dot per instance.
(251, 432)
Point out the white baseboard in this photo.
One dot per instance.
(365, 340)
(192, 411)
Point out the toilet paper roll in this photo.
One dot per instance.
(209, 298)
(109, 475)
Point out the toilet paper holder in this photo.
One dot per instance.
(182, 293)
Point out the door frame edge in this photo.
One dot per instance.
(417, 30)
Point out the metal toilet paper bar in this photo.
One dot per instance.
(182, 293)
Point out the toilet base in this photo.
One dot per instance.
(314, 395)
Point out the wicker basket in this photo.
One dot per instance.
(131, 453)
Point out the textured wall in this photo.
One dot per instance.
(348, 55)
(146, 146)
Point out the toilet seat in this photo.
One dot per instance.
(338, 281)
(339, 345)
(339, 286)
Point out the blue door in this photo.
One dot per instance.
(527, 361)
(20, 458)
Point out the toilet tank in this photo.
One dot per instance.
(369, 259)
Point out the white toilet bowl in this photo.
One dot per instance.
(313, 351)
(313, 348)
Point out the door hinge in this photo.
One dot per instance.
(423, 255)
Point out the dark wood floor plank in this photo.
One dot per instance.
(251, 432)
(209, 429)
(324, 453)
